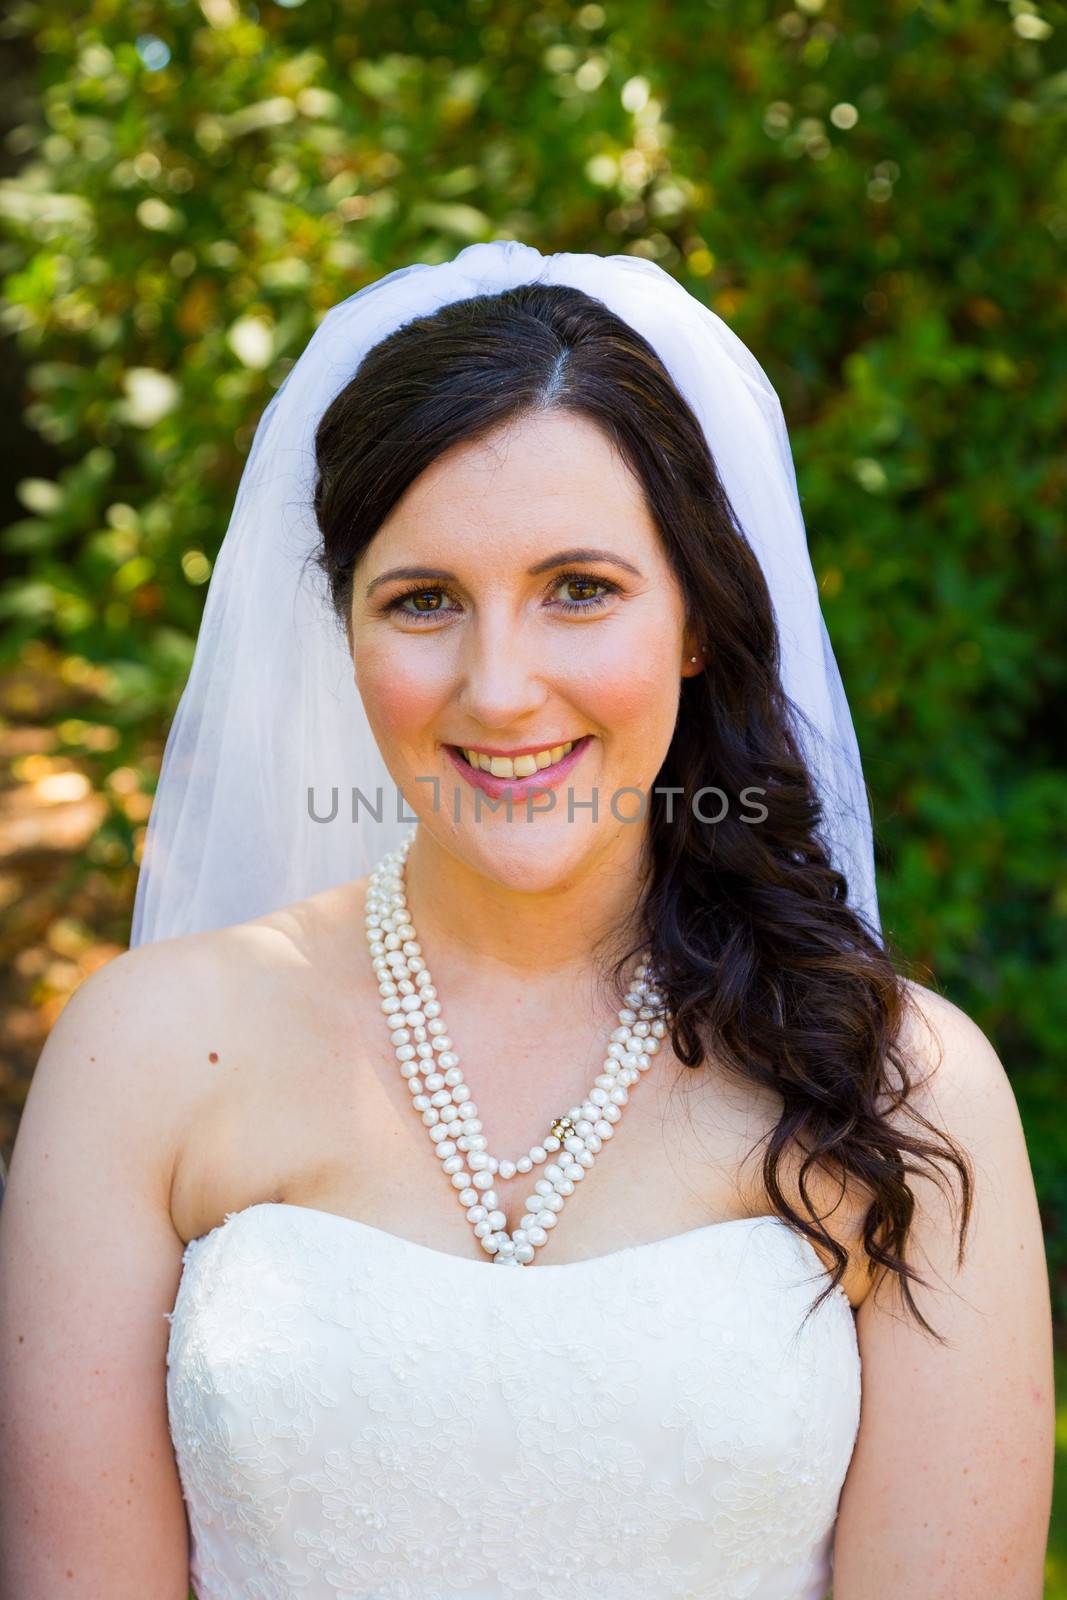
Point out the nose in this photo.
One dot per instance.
(500, 683)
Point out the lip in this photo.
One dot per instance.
(544, 778)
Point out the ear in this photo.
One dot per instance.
(690, 649)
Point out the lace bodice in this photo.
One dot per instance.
(359, 1417)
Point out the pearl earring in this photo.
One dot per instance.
(693, 659)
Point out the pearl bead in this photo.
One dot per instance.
(411, 1009)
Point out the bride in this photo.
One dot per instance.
(508, 903)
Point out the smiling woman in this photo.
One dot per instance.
(554, 557)
(504, 662)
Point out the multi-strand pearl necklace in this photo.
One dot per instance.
(430, 1066)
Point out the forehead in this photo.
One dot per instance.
(546, 477)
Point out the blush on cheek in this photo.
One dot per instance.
(402, 704)
(628, 686)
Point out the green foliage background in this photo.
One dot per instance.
(872, 195)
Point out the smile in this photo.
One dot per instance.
(534, 769)
(518, 766)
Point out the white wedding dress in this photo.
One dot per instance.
(359, 1417)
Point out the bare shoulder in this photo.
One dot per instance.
(957, 1079)
(148, 1032)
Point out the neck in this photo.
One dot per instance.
(585, 916)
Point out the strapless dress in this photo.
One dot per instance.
(359, 1417)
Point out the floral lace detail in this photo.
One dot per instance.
(357, 1417)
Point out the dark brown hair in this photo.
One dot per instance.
(764, 964)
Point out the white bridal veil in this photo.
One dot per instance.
(271, 707)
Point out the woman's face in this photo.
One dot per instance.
(500, 637)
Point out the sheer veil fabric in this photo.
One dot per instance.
(271, 711)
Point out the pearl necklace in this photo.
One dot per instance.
(413, 1015)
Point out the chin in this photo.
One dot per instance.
(531, 857)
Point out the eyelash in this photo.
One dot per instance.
(570, 606)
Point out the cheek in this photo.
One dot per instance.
(401, 691)
(630, 680)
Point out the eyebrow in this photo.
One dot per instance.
(561, 558)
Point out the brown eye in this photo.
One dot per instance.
(582, 583)
(589, 600)
(422, 604)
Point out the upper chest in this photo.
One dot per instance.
(305, 1101)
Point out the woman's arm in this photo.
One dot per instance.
(949, 1490)
(90, 1501)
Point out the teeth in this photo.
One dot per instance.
(520, 766)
